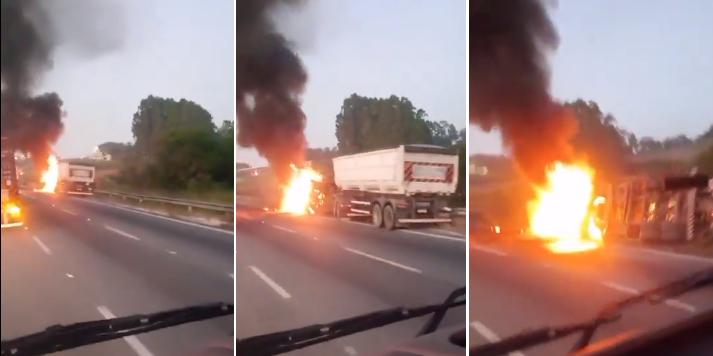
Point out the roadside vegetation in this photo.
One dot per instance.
(177, 151)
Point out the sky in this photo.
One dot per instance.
(168, 48)
(647, 62)
(411, 48)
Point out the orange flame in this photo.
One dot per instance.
(50, 176)
(297, 194)
(562, 211)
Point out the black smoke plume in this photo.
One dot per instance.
(270, 82)
(33, 124)
(510, 82)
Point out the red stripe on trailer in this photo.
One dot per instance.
(408, 172)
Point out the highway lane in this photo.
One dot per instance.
(516, 285)
(78, 260)
(297, 271)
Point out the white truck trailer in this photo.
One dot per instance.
(408, 184)
(76, 178)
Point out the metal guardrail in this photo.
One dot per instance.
(189, 204)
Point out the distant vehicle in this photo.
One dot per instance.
(11, 207)
(76, 178)
(408, 184)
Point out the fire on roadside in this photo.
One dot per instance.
(298, 192)
(50, 176)
(563, 210)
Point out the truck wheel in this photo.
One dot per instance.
(389, 218)
(377, 217)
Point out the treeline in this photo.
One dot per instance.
(610, 147)
(366, 124)
(176, 147)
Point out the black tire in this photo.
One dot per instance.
(389, 218)
(377, 216)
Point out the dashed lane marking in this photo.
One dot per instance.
(383, 260)
(122, 233)
(276, 287)
(42, 245)
(133, 341)
(491, 336)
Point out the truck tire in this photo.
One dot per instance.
(377, 216)
(389, 218)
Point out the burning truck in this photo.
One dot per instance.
(409, 184)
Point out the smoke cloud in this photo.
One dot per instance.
(270, 82)
(32, 123)
(510, 82)
(31, 31)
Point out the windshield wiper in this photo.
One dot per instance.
(285, 341)
(608, 314)
(62, 337)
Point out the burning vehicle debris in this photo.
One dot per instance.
(33, 123)
(510, 92)
(270, 80)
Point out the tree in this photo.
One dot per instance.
(227, 128)
(605, 145)
(704, 162)
(365, 124)
(156, 117)
(443, 133)
(191, 159)
(117, 150)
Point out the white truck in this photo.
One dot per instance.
(76, 178)
(408, 184)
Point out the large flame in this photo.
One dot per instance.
(563, 210)
(50, 176)
(297, 194)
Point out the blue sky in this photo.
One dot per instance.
(648, 62)
(169, 48)
(411, 48)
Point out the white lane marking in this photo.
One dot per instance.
(284, 229)
(488, 250)
(276, 287)
(673, 303)
(133, 341)
(231, 275)
(69, 275)
(227, 232)
(42, 245)
(315, 238)
(452, 233)
(89, 219)
(172, 252)
(490, 335)
(383, 260)
(69, 212)
(619, 287)
(350, 350)
(436, 236)
(122, 233)
(707, 260)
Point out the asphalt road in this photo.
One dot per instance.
(297, 271)
(78, 260)
(516, 285)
